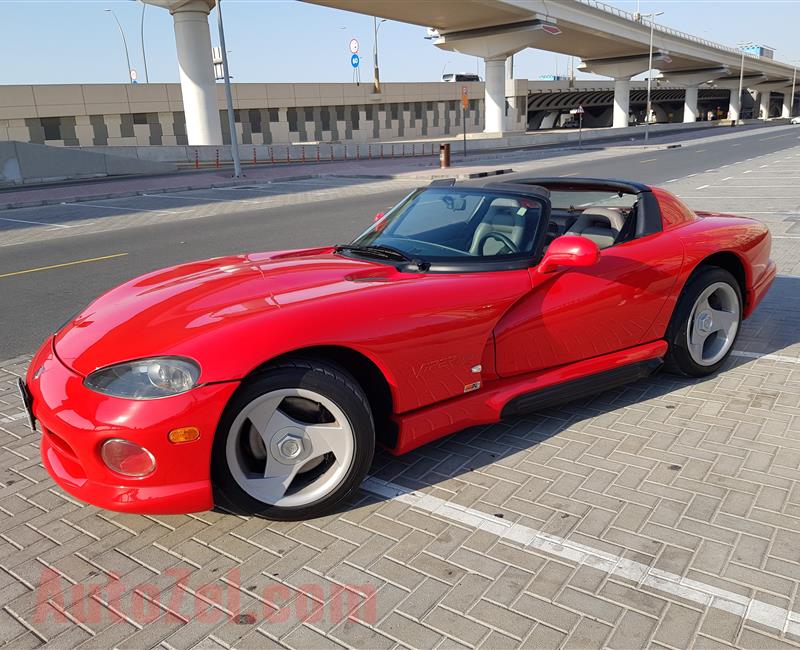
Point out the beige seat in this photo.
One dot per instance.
(502, 218)
(601, 225)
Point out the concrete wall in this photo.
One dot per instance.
(152, 114)
(22, 162)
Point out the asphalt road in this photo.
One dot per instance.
(34, 302)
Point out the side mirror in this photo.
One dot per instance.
(569, 250)
(378, 217)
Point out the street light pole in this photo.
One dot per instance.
(742, 46)
(141, 36)
(652, 17)
(124, 43)
(237, 164)
(741, 82)
(376, 72)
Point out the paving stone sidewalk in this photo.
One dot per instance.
(665, 514)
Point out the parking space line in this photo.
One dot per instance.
(702, 187)
(769, 356)
(697, 592)
(62, 265)
(119, 207)
(177, 196)
(37, 223)
(649, 160)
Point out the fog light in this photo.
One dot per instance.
(184, 434)
(128, 458)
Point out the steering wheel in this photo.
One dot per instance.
(503, 239)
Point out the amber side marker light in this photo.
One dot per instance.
(184, 434)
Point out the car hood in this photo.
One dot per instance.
(159, 313)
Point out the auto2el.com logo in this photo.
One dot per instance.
(107, 599)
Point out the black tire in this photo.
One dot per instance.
(678, 360)
(328, 380)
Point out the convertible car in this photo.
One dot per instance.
(261, 383)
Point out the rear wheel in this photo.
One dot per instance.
(293, 442)
(705, 324)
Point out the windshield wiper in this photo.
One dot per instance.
(384, 252)
(388, 252)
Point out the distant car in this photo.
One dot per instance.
(261, 383)
(460, 76)
(796, 120)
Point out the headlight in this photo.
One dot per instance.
(146, 378)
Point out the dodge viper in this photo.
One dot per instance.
(261, 383)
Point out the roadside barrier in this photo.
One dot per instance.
(287, 154)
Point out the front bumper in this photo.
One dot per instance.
(75, 422)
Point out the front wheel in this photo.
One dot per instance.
(293, 442)
(705, 324)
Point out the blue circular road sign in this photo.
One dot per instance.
(355, 60)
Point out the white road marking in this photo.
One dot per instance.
(748, 171)
(702, 187)
(674, 180)
(119, 207)
(177, 196)
(37, 223)
(770, 357)
(727, 178)
(642, 574)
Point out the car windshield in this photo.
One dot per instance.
(455, 224)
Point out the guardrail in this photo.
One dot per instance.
(602, 6)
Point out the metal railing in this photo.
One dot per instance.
(602, 6)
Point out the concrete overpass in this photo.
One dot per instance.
(610, 42)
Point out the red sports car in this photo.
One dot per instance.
(261, 383)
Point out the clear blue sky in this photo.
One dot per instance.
(74, 41)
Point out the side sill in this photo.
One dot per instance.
(488, 404)
(579, 388)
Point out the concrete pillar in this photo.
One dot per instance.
(495, 95)
(765, 97)
(735, 105)
(198, 87)
(786, 110)
(690, 105)
(622, 100)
